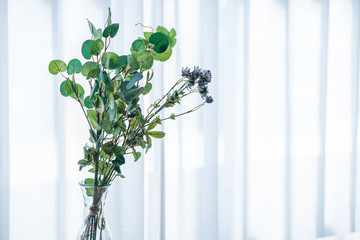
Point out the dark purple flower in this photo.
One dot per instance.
(205, 76)
(196, 73)
(203, 90)
(209, 99)
(185, 72)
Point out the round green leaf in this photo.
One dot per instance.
(63, 90)
(94, 73)
(160, 41)
(57, 66)
(85, 49)
(74, 66)
(133, 63)
(145, 60)
(110, 60)
(88, 102)
(111, 30)
(165, 55)
(87, 67)
(138, 46)
(96, 47)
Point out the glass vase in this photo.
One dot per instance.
(94, 225)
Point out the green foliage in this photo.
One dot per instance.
(157, 134)
(85, 49)
(160, 42)
(111, 30)
(145, 60)
(110, 60)
(88, 67)
(138, 46)
(96, 47)
(57, 66)
(74, 66)
(118, 125)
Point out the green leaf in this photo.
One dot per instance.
(147, 88)
(108, 148)
(93, 120)
(92, 28)
(111, 30)
(160, 41)
(83, 163)
(119, 150)
(94, 89)
(157, 134)
(107, 81)
(134, 78)
(109, 18)
(85, 49)
(110, 60)
(106, 125)
(56, 66)
(89, 191)
(136, 155)
(80, 91)
(98, 34)
(147, 35)
(87, 67)
(119, 160)
(111, 101)
(145, 60)
(88, 102)
(172, 33)
(94, 73)
(162, 30)
(74, 66)
(68, 87)
(63, 89)
(92, 134)
(89, 181)
(133, 63)
(99, 105)
(172, 38)
(134, 93)
(152, 125)
(138, 46)
(122, 61)
(165, 55)
(96, 47)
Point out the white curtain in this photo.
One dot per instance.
(275, 157)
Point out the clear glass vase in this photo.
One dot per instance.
(94, 225)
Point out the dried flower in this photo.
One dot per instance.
(209, 99)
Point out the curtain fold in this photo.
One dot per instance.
(274, 157)
(4, 123)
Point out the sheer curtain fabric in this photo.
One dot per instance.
(274, 157)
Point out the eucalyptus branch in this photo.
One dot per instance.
(127, 128)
